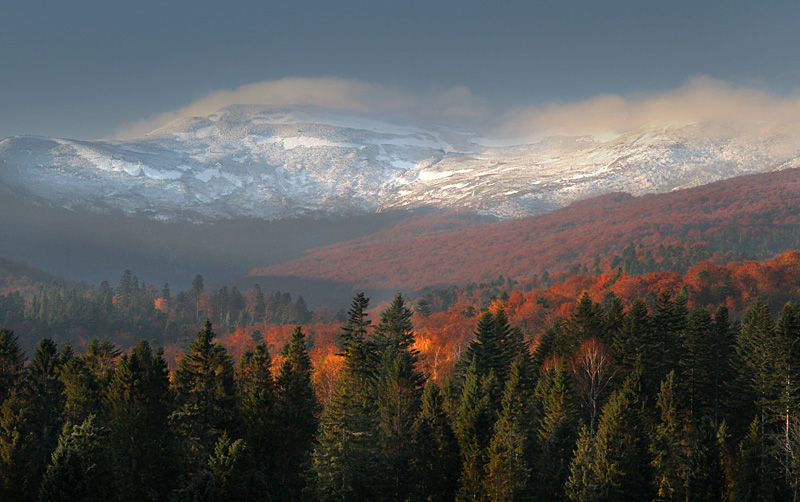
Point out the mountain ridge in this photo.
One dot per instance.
(285, 162)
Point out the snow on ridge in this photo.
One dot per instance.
(232, 164)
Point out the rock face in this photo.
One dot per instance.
(276, 163)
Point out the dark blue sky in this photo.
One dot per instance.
(82, 69)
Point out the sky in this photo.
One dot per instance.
(99, 69)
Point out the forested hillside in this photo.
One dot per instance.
(662, 386)
(747, 217)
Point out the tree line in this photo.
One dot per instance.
(658, 402)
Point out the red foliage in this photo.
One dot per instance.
(443, 249)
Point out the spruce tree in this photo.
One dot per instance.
(757, 357)
(16, 450)
(43, 398)
(205, 397)
(256, 403)
(697, 364)
(346, 459)
(398, 390)
(666, 448)
(296, 408)
(11, 364)
(436, 461)
(611, 465)
(137, 406)
(79, 466)
(507, 470)
(557, 431)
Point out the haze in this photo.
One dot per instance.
(103, 69)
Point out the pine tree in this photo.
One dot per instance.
(297, 416)
(436, 463)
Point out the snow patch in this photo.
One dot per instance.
(433, 175)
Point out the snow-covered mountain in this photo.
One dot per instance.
(273, 163)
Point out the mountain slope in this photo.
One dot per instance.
(756, 215)
(275, 163)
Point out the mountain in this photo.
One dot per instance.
(750, 216)
(287, 162)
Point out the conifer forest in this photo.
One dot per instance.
(661, 397)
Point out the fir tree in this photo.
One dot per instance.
(255, 392)
(78, 466)
(297, 416)
(43, 397)
(557, 431)
(205, 399)
(11, 364)
(346, 459)
(609, 466)
(436, 462)
(507, 470)
(666, 449)
(137, 405)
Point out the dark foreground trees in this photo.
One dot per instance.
(610, 404)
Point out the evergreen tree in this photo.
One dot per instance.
(705, 477)
(436, 463)
(16, 450)
(787, 379)
(756, 354)
(557, 431)
(758, 476)
(610, 465)
(11, 364)
(507, 470)
(629, 344)
(205, 400)
(137, 407)
(395, 328)
(44, 400)
(297, 416)
(666, 448)
(78, 467)
(473, 427)
(255, 392)
(697, 364)
(723, 374)
(346, 459)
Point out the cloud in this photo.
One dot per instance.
(700, 100)
(450, 105)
